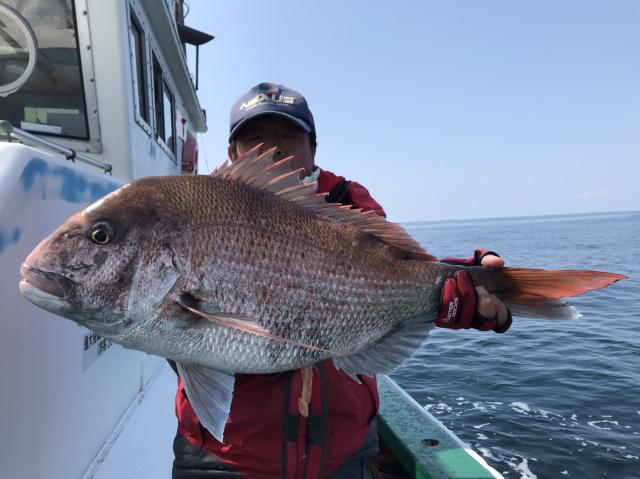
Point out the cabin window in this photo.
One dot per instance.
(168, 109)
(165, 108)
(51, 100)
(139, 58)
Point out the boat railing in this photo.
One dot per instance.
(10, 132)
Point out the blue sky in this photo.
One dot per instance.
(447, 109)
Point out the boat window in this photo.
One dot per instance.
(51, 98)
(165, 108)
(157, 97)
(168, 109)
(139, 54)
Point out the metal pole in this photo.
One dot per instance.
(12, 132)
(197, 65)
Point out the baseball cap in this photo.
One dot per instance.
(271, 99)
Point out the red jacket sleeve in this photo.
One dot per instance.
(356, 194)
(362, 199)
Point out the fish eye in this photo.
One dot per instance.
(101, 233)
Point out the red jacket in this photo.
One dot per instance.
(265, 435)
(352, 193)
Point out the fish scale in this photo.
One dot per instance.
(365, 301)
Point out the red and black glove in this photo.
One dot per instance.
(459, 299)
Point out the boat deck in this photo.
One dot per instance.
(142, 443)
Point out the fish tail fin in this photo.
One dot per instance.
(537, 293)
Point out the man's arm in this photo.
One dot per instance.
(347, 192)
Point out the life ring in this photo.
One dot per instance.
(190, 154)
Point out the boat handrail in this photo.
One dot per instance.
(11, 132)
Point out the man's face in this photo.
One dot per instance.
(275, 131)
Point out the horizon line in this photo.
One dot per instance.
(520, 217)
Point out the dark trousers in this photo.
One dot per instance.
(193, 463)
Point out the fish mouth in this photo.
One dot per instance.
(50, 291)
(45, 284)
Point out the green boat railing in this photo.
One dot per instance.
(422, 444)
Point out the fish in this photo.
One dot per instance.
(248, 270)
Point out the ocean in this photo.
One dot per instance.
(548, 398)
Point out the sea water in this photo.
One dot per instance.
(548, 398)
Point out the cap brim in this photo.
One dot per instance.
(302, 124)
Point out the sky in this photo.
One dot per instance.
(445, 109)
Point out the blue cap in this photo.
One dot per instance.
(271, 99)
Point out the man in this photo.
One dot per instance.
(266, 435)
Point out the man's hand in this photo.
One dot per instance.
(491, 261)
(464, 307)
(489, 306)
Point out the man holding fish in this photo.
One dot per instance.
(277, 306)
(267, 434)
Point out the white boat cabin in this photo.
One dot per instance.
(93, 93)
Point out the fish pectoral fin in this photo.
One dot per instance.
(235, 321)
(248, 325)
(388, 352)
(210, 393)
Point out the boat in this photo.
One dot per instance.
(92, 95)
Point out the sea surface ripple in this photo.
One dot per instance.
(548, 398)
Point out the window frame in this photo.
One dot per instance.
(160, 84)
(166, 91)
(135, 26)
(93, 142)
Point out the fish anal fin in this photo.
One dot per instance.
(388, 352)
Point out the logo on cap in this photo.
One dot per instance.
(271, 97)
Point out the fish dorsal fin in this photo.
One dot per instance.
(258, 170)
